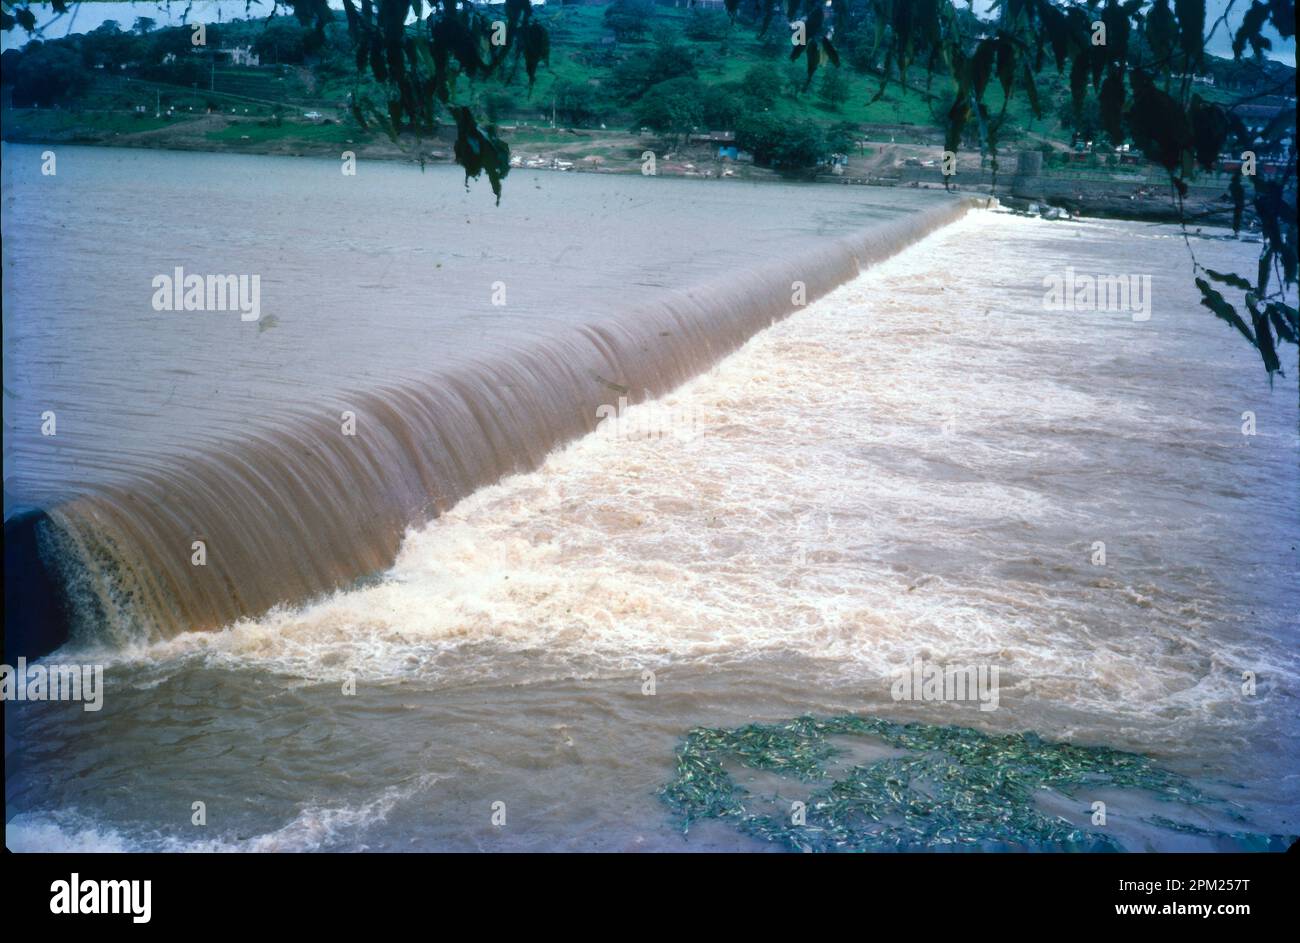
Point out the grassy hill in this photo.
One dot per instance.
(581, 106)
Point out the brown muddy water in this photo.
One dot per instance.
(467, 593)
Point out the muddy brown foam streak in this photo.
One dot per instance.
(296, 508)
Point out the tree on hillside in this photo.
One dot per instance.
(705, 25)
(762, 84)
(165, 42)
(833, 90)
(107, 45)
(576, 103)
(672, 109)
(842, 138)
(282, 41)
(791, 146)
(723, 106)
(47, 76)
(668, 59)
(1083, 119)
(629, 19)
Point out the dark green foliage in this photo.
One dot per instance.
(1249, 31)
(537, 49)
(1191, 27)
(1161, 30)
(1111, 102)
(723, 106)
(1170, 125)
(480, 152)
(833, 90)
(706, 25)
(1158, 124)
(629, 19)
(46, 76)
(762, 86)
(282, 40)
(672, 109)
(668, 59)
(842, 138)
(1210, 129)
(789, 146)
(1216, 303)
(419, 66)
(576, 103)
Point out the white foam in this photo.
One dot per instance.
(315, 827)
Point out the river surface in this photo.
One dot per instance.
(919, 463)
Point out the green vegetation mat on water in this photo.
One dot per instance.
(952, 789)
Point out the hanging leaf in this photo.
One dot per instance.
(1006, 65)
(1098, 59)
(480, 153)
(981, 66)
(831, 54)
(1210, 128)
(1250, 31)
(1158, 125)
(1111, 101)
(1286, 321)
(1058, 33)
(1191, 27)
(958, 115)
(1238, 194)
(1079, 84)
(1031, 89)
(1229, 278)
(537, 48)
(814, 57)
(1116, 21)
(1264, 338)
(1219, 305)
(1282, 15)
(1161, 29)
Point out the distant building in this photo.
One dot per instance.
(713, 137)
(1258, 116)
(241, 56)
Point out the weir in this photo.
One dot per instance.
(295, 508)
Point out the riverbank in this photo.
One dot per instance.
(1136, 194)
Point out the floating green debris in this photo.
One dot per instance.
(954, 788)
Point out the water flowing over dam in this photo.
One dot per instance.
(182, 470)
